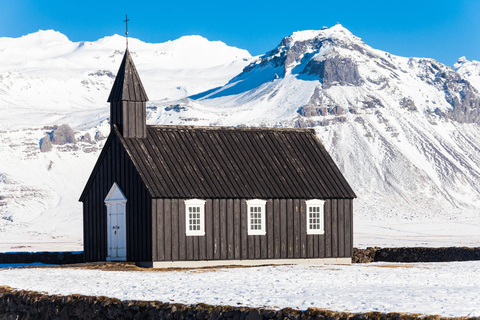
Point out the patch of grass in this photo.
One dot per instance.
(393, 266)
(130, 266)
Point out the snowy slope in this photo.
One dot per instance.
(404, 131)
(45, 78)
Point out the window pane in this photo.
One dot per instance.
(314, 218)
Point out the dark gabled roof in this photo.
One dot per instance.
(127, 85)
(224, 162)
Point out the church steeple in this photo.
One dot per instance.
(128, 101)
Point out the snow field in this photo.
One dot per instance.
(448, 289)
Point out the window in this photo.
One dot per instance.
(315, 216)
(195, 217)
(256, 217)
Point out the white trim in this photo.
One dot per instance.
(115, 194)
(261, 204)
(195, 203)
(263, 262)
(320, 204)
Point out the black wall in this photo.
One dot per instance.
(130, 117)
(226, 231)
(114, 165)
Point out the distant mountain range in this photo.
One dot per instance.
(404, 131)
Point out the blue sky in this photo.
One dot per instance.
(443, 30)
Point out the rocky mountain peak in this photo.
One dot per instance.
(340, 72)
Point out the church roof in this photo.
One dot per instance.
(235, 162)
(127, 85)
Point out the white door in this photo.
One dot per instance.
(117, 240)
(116, 224)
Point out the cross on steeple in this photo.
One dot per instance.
(126, 28)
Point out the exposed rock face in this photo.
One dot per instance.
(45, 144)
(461, 95)
(335, 71)
(99, 136)
(63, 135)
(408, 103)
(313, 111)
(87, 138)
(338, 59)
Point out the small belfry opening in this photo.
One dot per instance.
(116, 203)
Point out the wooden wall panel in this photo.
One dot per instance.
(237, 228)
(209, 245)
(290, 228)
(167, 214)
(303, 229)
(226, 236)
(283, 228)
(175, 228)
(334, 228)
(276, 228)
(216, 229)
(296, 228)
(223, 230)
(328, 228)
(348, 227)
(182, 238)
(230, 216)
(243, 229)
(269, 228)
(341, 228)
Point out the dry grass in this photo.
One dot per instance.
(393, 266)
(130, 266)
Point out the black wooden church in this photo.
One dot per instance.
(198, 196)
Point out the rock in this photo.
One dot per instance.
(363, 255)
(45, 144)
(63, 135)
(99, 136)
(253, 314)
(87, 138)
(335, 70)
(408, 103)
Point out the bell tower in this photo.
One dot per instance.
(128, 99)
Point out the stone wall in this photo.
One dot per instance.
(33, 305)
(359, 255)
(412, 254)
(42, 257)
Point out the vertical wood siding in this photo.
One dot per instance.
(130, 117)
(116, 166)
(226, 236)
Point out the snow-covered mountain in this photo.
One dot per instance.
(404, 131)
(47, 79)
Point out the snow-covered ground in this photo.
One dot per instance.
(448, 289)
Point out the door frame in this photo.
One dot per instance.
(116, 202)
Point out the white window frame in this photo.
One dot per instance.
(320, 204)
(261, 204)
(198, 204)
